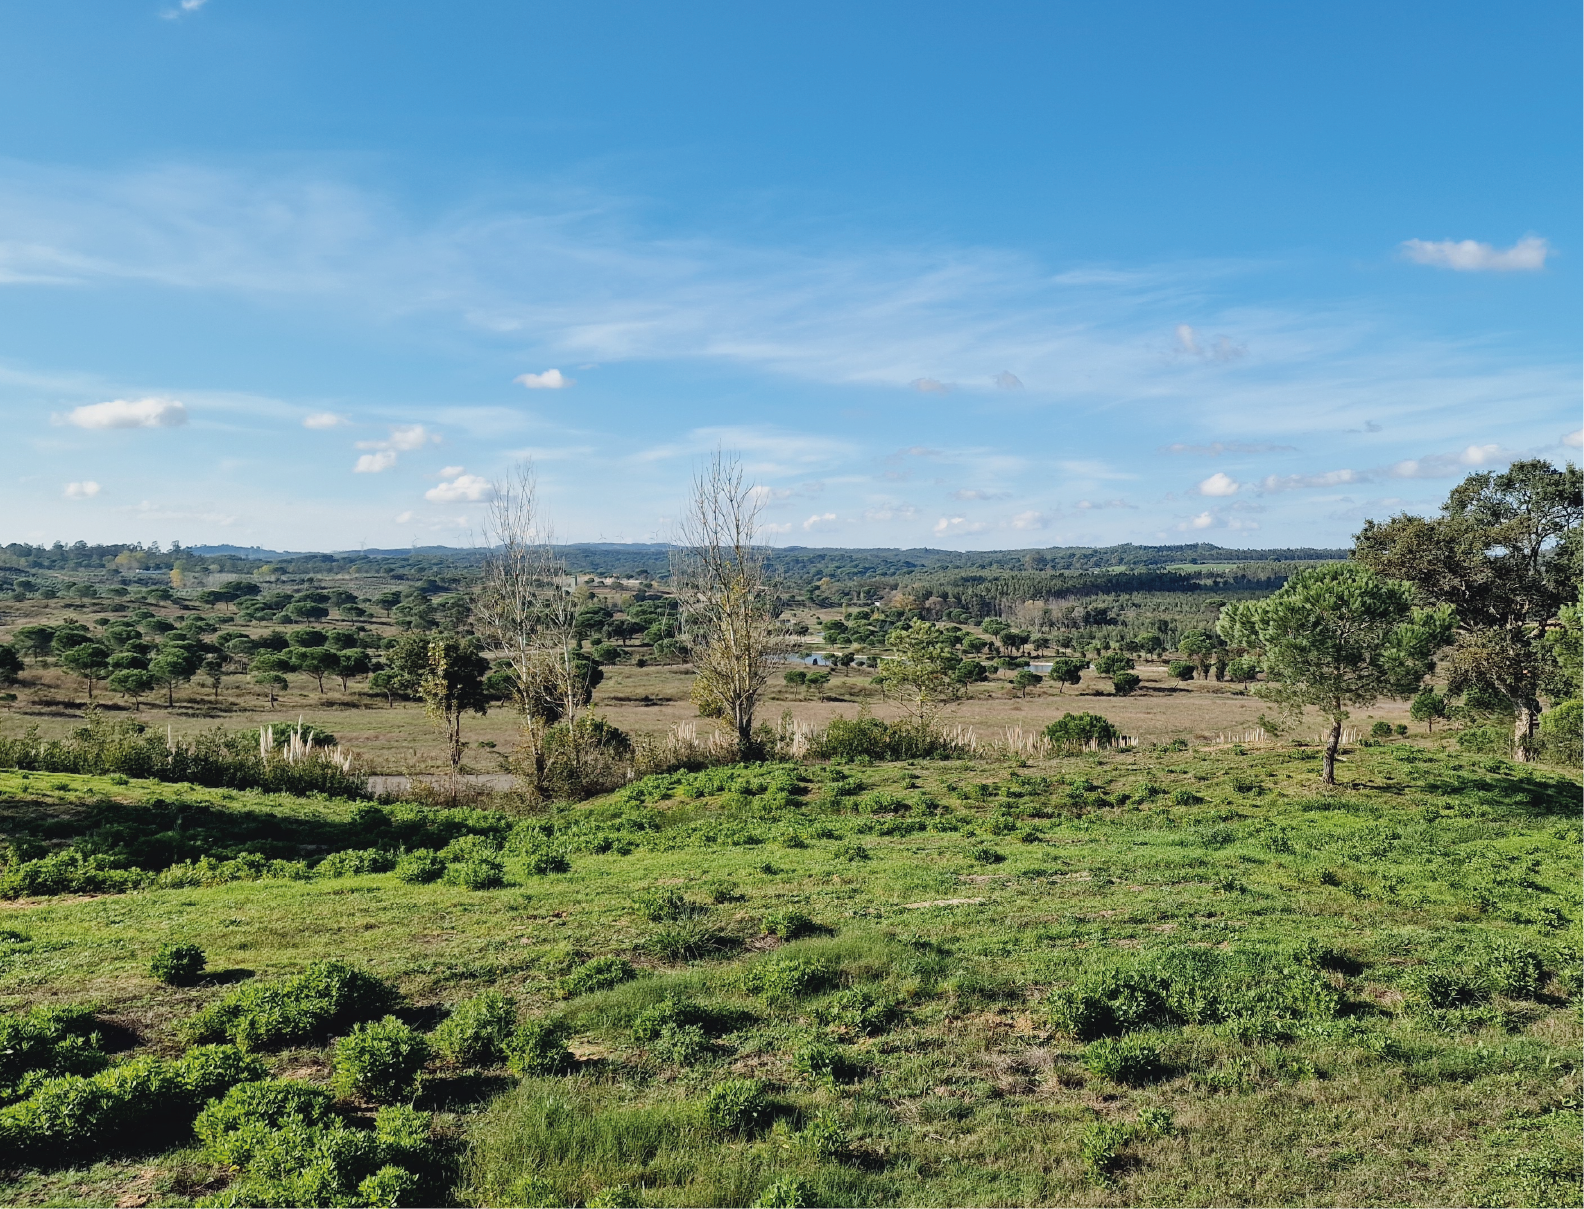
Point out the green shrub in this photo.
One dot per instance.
(324, 998)
(420, 866)
(177, 964)
(68, 872)
(736, 1106)
(1103, 1143)
(538, 1047)
(1438, 988)
(682, 1045)
(1381, 730)
(353, 862)
(1562, 734)
(662, 904)
(984, 854)
(1181, 669)
(789, 924)
(1486, 740)
(784, 978)
(540, 861)
(48, 1041)
(476, 873)
(850, 851)
(1129, 1059)
(1185, 797)
(471, 847)
(477, 1030)
(1080, 730)
(822, 1060)
(143, 1101)
(233, 1127)
(1512, 969)
(380, 1060)
(670, 1012)
(858, 1010)
(723, 890)
(616, 1196)
(786, 1193)
(596, 974)
(823, 1138)
(685, 939)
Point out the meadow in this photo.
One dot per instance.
(1174, 974)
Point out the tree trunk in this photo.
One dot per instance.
(1333, 740)
(1523, 733)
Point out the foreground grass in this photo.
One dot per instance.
(957, 900)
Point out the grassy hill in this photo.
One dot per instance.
(1172, 975)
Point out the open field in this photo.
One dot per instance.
(941, 921)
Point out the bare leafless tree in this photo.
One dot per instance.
(525, 607)
(725, 596)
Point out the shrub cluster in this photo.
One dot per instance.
(327, 996)
(866, 738)
(1189, 986)
(538, 1047)
(179, 965)
(292, 1149)
(380, 1060)
(785, 978)
(45, 1041)
(596, 974)
(477, 1030)
(736, 1106)
(143, 1101)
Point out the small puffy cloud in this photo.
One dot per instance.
(818, 519)
(84, 490)
(449, 472)
(1441, 465)
(930, 386)
(764, 495)
(373, 463)
(1480, 455)
(1219, 483)
(324, 419)
(1294, 482)
(975, 493)
(1007, 380)
(956, 524)
(785, 528)
(403, 517)
(1203, 521)
(129, 413)
(407, 437)
(551, 379)
(465, 488)
(1029, 520)
(1528, 255)
(1574, 438)
(1091, 505)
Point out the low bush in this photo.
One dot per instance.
(324, 998)
(476, 873)
(786, 1193)
(46, 1041)
(542, 860)
(663, 904)
(1103, 1144)
(867, 738)
(177, 964)
(784, 978)
(824, 1138)
(354, 862)
(380, 1061)
(538, 1047)
(736, 1106)
(850, 851)
(789, 924)
(420, 866)
(596, 974)
(685, 940)
(292, 1150)
(857, 1010)
(477, 1030)
(68, 872)
(822, 1060)
(1072, 731)
(471, 847)
(144, 1101)
(1562, 734)
(1129, 1059)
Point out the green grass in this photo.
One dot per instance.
(932, 980)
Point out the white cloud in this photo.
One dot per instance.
(1203, 521)
(1528, 255)
(1029, 520)
(373, 463)
(818, 519)
(324, 419)
(1092, 505)
(84, 490)
(1217, 448)
(1222, 348)
(449, 472)
(551, 379)
(1479, 455)
(1574, 438)
(403, 517)
(408, 437)
(891, 512)
(930, 386)
(129, 413)
(957, 524)
(1219, 483)
(1007, 380)
(1293, 482)
(975, 493)
(786, 528)
(469, 488)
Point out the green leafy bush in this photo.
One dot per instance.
(822, 1060)
(785, 978)
(471, 847)
(540, 861)
(476, 873)
(177, 964)
(1562, 734)
(786, 1193)
(984, 854)
(233, 1127)
(670, 1012)
(1079, 730)
(596, 974)
(420, 866)
(1129, 1059)
(380, 1060)
(858, 1010)
(46, 1041)
(686, 939)
(824, 1138)
(354, 862)
(789, 924)
(1185, 797)
(1381, 730)
(1103, 1143)
(736, 1106)
(850, 851)
(326, 997)
(663, 904)
(477, 1030)
(143, 1101)
(68, 872)
(538, 1047)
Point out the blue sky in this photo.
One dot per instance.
(311, 276)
